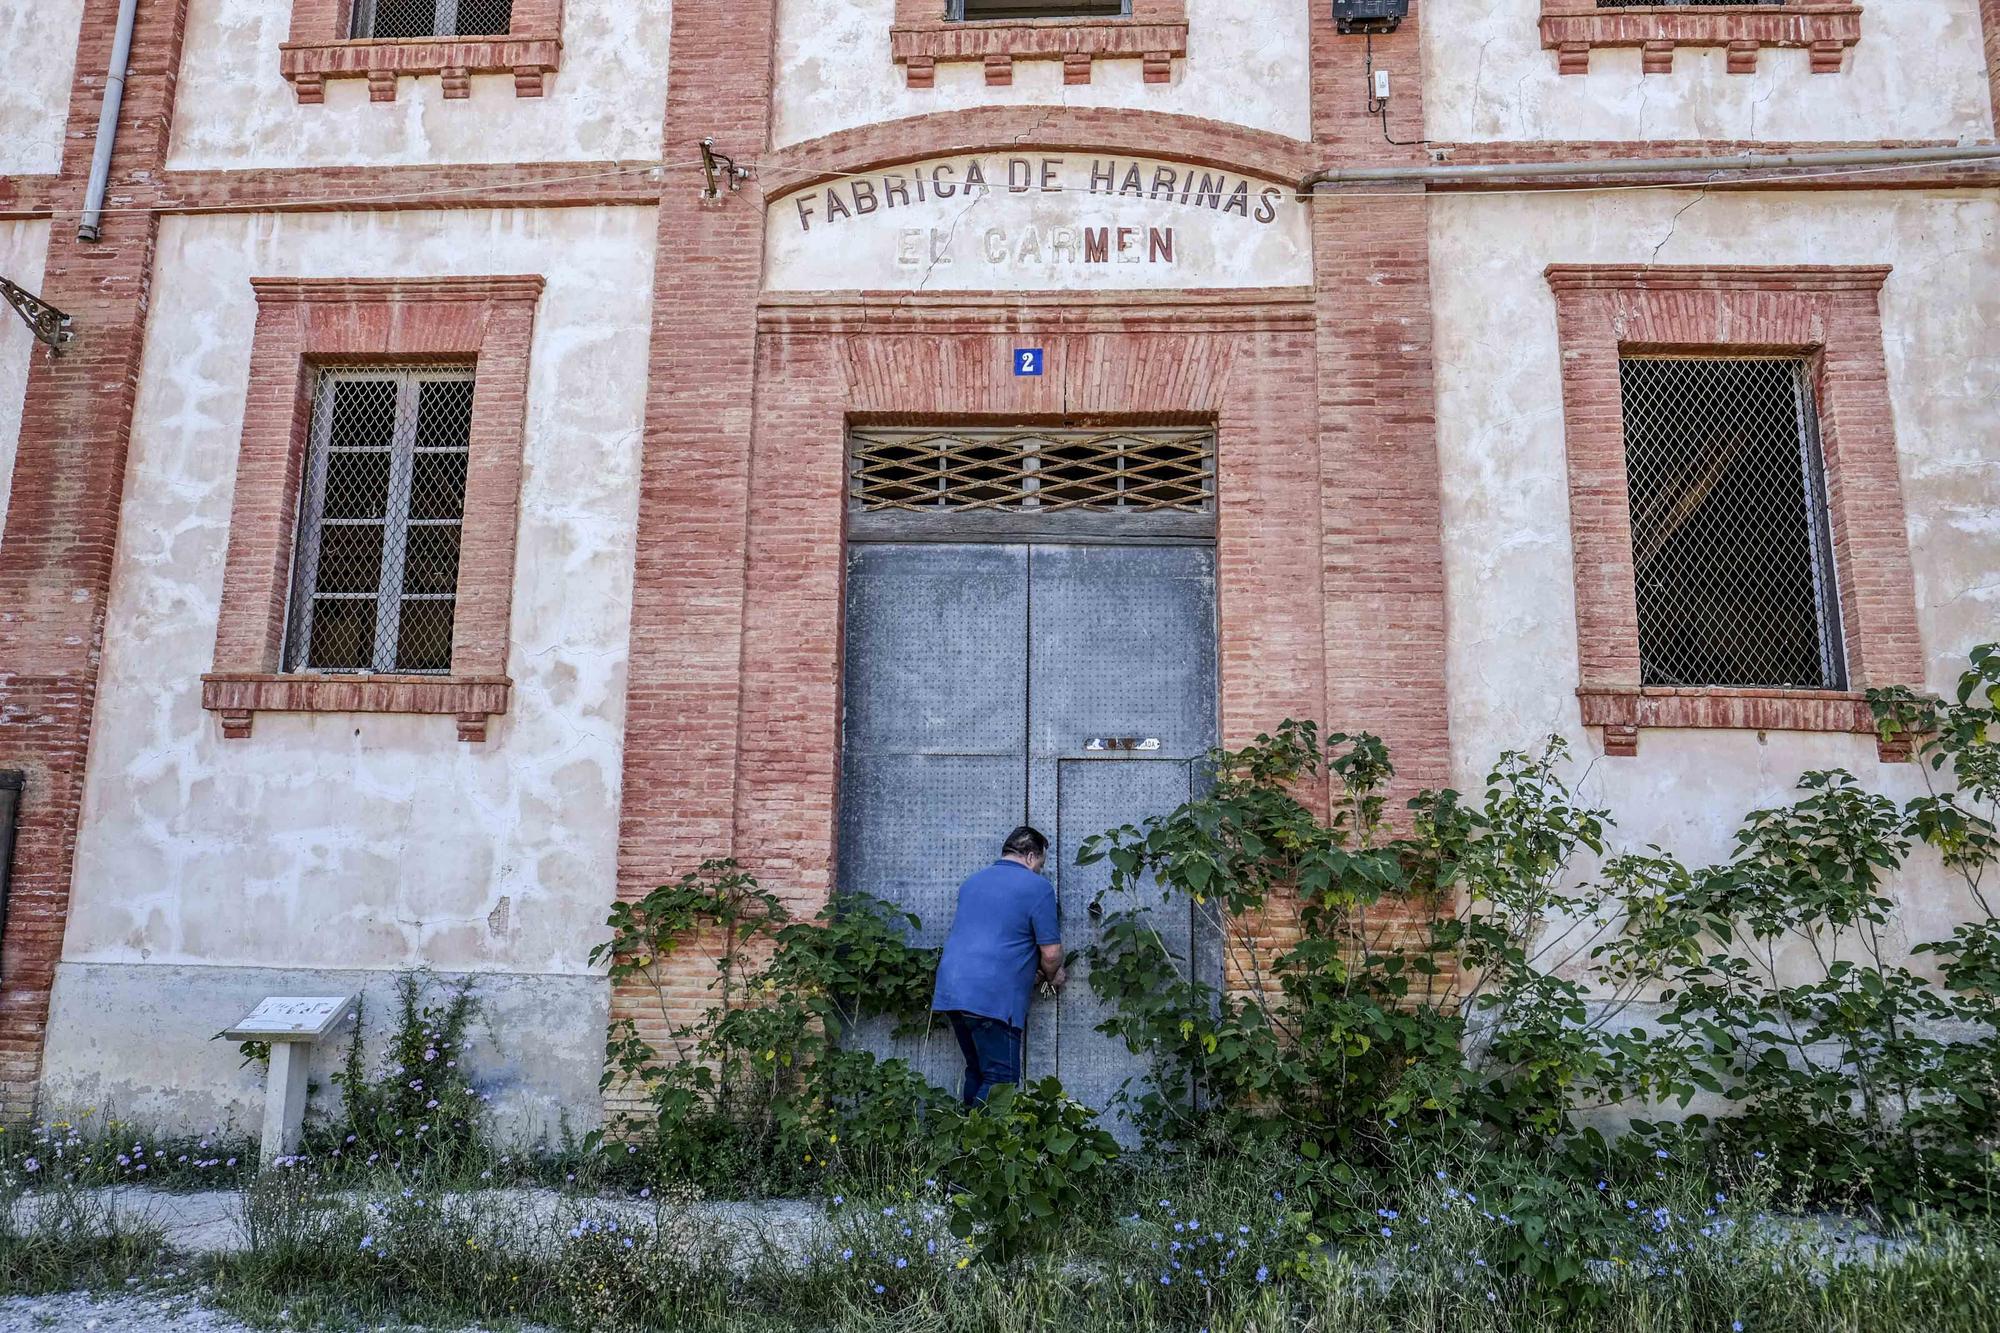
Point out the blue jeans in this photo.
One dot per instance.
(992, 1053)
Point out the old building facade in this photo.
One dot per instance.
(506, 453)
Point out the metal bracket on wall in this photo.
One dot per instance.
(718, 167)
(50, 326)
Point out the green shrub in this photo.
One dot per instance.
(1025, 1164)
(1464, 979)
(759, 1093)
(419, 1109)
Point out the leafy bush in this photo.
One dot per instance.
(759, 1091)
(1463, 979)
(419, 1108)
(1024, 1165)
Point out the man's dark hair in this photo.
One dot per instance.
(1024, 841)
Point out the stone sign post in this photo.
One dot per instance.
(291, 1024)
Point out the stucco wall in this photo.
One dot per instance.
(38, 41)
(1246, 65)
(347, 840)
(324, 844)
(236, 110)
(1513, 651)
(24, 250)
(1918, 73)
(138, 1042)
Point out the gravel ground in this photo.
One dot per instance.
(211, 1221)
(75, 1312)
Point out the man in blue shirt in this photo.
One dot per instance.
(1004, 934)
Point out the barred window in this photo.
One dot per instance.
(375, 569)
(1730, 539)
(432, 18)
(1038, 9)
(1655, 4)
(1041, 471)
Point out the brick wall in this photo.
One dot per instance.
(1330, 564)
(62, 519)
(683, 699)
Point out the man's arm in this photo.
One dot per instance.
(1052, 968)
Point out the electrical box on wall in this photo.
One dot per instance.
(1370, 15)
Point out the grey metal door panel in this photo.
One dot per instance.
(975, 676)
(1097, 794)
(914, 826)
(936, 649)
(932, 738)
(1122, 644)
(1043, 1011)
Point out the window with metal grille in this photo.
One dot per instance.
(1655, 4)
(1038, 9)
(432, 18)
(375, 569)
(1039, 471)
(1730, 541)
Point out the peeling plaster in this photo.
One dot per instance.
(24, 249)
(1918, 73)
(1512, 656)
(349, 840)
(39, 39)
(1246, 65)
(606, 103)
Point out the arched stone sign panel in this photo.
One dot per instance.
(1039, 221)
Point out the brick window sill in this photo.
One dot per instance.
(1623, 709)
(238, 696)
(310, 64)
(1156, 32)
(1575, 28)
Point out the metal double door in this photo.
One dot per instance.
(1072, 687)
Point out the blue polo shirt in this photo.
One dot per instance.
(1005, 913)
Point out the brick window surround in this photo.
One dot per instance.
(1828, 315)
(1826, 28)
(303, 323)
(320, 49)
(1156, 31)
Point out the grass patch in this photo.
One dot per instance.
(1174, 1246)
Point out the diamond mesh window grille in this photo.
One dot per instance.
(1731, 547)
(1147, 470)
(375, 569)
(432, 18)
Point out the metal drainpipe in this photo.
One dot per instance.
(107, 122)
(1444, 173)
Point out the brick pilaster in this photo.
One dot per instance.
(684, 693)
(1381, 522)
(1989, 16)
(62, 518)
